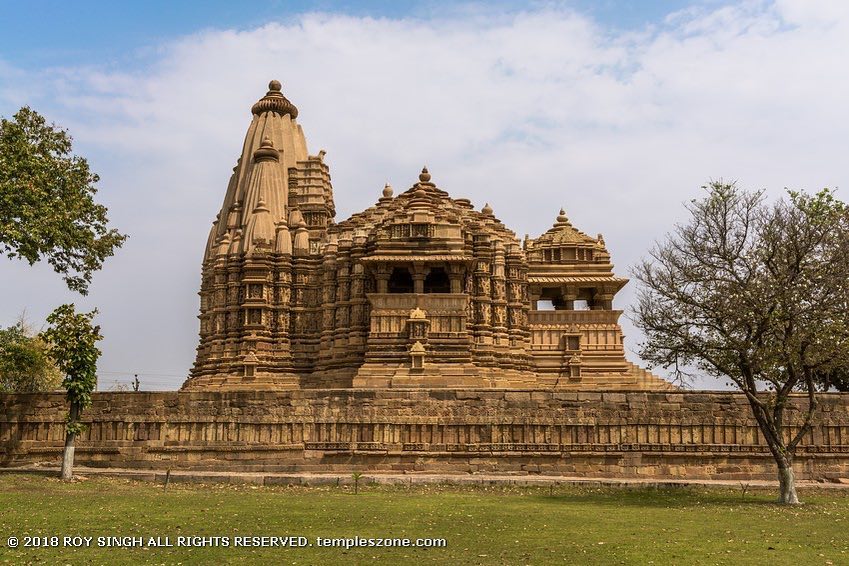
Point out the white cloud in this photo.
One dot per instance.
(529, 111)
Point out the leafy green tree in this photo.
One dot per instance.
(47, 209)
(72, 340)
(25, 363)
(754, 293)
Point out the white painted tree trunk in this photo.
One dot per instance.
(68, 457)
(787, 483)
(68, 454)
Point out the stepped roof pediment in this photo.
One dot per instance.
(564, 233)
(423, 212)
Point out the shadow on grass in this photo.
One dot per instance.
(678, 497)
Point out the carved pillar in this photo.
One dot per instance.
(281, 305)
(482, 301)
(518, 303)
(219, 309)
(455, 275)
(359, 302)
(343, 295)
(570, 295)
(499, 296)
(328, 302)
(233, 313)
(603, 299)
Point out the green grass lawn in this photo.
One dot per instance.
(496, 525)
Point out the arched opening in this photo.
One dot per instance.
(437, 281)
(400, 281)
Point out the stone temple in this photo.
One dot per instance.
(419, 290)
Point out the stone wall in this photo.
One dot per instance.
(624, 434)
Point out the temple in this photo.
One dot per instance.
(419, 290)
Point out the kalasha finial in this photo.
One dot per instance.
(387, 191)
(487, 209)
(424, 177)
(561, 218)
(274, 101)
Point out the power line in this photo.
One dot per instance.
(142, 373)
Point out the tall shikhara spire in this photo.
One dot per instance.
(277, 207)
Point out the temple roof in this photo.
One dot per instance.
(395, 226)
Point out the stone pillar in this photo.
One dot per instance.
(359, 302)
(499, 297)
(569, 297)
(455, 275)
(328, 302)
(482, 300)
(604, 298)
(281, 305)
(518, 303)
(381, 276)
(233, 313)
(343, 296)
(418, 272)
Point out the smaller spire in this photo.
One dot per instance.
(424, 176)
(295, 218)
(236, 243)
(260, 227)
(224, 244)
(283, 241)
(234, 215)
(301, 245)
(266, 151)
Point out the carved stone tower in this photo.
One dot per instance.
(259, 254)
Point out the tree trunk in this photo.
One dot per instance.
(68, 453)
(787, 483)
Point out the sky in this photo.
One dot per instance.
(617, 111)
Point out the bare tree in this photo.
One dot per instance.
(755, 293)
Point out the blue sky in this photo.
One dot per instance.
(617, 111)
(118, 32)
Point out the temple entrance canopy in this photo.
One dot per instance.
(418, 290)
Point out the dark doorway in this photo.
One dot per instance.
(400, 281)
(437, 281)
